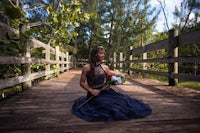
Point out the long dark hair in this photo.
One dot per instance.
(92, 60)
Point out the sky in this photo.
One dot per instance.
(169, 9)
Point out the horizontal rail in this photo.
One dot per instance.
(24, 60)
(189, 38)
(188, 77)
(168, 60)
(151, 47)
(4, 83)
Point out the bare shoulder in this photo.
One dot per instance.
(86, 68)
(105, 68)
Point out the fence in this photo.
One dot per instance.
(172, 59)
(171, 44)
(62, 61)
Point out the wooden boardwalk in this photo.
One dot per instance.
(46, 108)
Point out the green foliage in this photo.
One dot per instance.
(190, 51)
(192, 85)
(183, 14)
(37, 67)
(49, 21)
(188, 84)
(9, 70)
(117, 25)
(9, 48)
(13, 12)
(37, 52)
(52, 22)
(72, 50)
(64, 22)
(9, 91)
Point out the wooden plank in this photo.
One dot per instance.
(168, 60)
(185, 59)
(189, 38)
(23, 60)
(151, 47)
(150, 72)
(46, 107)
(7, 33)
(138, 50)
(187, 77)
(36, 43)
(4, 83)
(157, 46)
(4, 27)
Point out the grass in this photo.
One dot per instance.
(191, 85)
(188, 84)
(10, 91)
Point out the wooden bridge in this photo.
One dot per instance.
(46, 108)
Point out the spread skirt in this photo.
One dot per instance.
(110, 106)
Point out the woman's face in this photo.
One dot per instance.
(101, 55)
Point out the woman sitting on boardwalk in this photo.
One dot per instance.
(107, 104)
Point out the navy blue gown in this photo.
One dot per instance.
(109, 105)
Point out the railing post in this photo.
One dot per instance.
(121, 59)
(144, 57)
(57, 59)
(130, 60)
(67, 60)
(47, 57)
(114, 60)
(172, 52)
(62, 60)
(24, 40)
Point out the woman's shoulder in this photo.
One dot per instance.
(105, 67)
(86, 67)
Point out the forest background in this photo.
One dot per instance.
(76, 26)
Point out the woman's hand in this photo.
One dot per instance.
(107, 87)
(94, 92)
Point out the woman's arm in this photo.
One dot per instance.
(83, 83)
(108, 71)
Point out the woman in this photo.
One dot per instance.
(107, 104)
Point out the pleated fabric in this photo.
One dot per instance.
(110, 106)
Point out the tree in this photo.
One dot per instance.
(51, 21)
(188, 15)
(119, 22)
